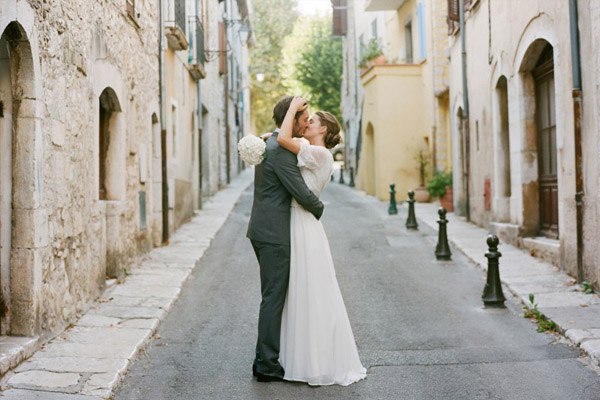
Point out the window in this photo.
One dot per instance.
(408, 42)
(130, 7)
(422, 31)
(374, 29)
(361, 45)
(174, 130)
(340, 18)
(453, 16)
(222, 49)
(110, 138)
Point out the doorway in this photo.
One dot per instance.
(546, 143)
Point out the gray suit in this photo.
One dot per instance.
(276, 180)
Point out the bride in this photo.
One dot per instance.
(317, 344)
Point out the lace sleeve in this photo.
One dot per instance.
(306, 156)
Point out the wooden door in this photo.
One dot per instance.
(546, 144)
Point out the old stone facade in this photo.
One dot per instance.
(83, 142)
(515, 142)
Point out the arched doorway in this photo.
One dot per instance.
(539, 155)
(6, 138)
(543, 75)
(20, 193)
(502, 174)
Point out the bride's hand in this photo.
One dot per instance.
(298, 104)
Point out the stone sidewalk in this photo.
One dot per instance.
(558, 297)
(88, 360)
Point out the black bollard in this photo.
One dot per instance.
(332, 177)
(351, 183)
(411, 221)
(342, 175)
(492, 292)
(392, 210)
(442, 250)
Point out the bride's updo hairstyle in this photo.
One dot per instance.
(332, 136)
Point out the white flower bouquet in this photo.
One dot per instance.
(252, 149)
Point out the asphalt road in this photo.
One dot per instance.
(419, 324)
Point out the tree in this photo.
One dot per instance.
(272, 22)
(318, 66)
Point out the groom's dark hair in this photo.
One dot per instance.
(281, 108)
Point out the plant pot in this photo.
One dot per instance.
(447, 200)
(379, 60)
(422, 195)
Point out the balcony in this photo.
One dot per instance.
(196, 55)
(383, 5)
(175, 25)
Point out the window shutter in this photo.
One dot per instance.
(222, 49)
(130, 7)
(340, 18)
(453, 10)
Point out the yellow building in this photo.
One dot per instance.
(405, 106)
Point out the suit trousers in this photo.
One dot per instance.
(274, 261)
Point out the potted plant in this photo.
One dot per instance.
(440, 186)
(421, 193)
(372, 55)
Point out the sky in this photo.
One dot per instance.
(311, 7)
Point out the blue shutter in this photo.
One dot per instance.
(422, 34)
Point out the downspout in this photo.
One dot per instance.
(577, 121)
(226, 97)
(467, 155)
(199, 116)
(163, 130)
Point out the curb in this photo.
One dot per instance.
(587, 339)
(89, 359)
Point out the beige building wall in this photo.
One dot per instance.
(589, 28)
(392, 130)
(412, 89)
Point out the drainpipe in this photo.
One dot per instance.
(578, 119)
(163, 130)
(200, 117)
(466, 172)
(226, 97)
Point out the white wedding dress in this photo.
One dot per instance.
(317, 344)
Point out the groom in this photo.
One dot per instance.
(276, 180)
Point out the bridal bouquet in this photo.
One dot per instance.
(252, 149)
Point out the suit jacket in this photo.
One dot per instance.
(276, 180)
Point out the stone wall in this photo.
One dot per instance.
(505, 40)
(83, 48)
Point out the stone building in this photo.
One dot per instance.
(397, 110)
(515, 135)
(104, 123)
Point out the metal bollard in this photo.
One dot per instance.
(411, 221)
(392, 210)
(492, 292)
(351, 183)
(342, 175)
(442, 250)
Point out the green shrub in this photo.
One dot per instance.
(438, 183)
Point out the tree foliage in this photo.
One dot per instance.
(318, 66)
(272, 22)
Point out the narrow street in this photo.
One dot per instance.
(419, 324)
